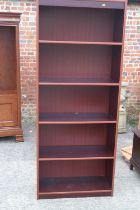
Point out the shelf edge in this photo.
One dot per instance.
(80, 43)
(74, 192)
(84, 158)
(78, 122)
(76, 84)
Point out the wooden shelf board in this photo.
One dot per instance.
(75, 153)
(80, 42)
(64, 185)
(75, 118)
(73, 194)
(77, 82)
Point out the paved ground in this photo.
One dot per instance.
(18, 182)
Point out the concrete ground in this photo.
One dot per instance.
(18, 181)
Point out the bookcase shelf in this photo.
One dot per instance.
(79, 73)
(75, 118)
(79, 42)
(72, 186)
(78, 81)
(86, 178)
(80, 61)
(82, 24)
(75, 153)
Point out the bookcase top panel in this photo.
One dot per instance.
(88, 3)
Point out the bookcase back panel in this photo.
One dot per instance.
(73, 168)
(111, 136)
(7, 58)
(74, 99)
(80, 24)
(113, 101)
(75, 61)
(109, 171)
(64, 135)
(116, 63)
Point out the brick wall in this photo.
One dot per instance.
(131, 70)
(131, 64)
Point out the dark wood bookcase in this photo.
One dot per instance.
(10, 104)
(80, 48)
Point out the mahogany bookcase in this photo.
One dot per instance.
(80, 48)
(10, 103)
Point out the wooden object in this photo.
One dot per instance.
(10, 105)
(80, 48)
(127, 152)
(135, 160)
